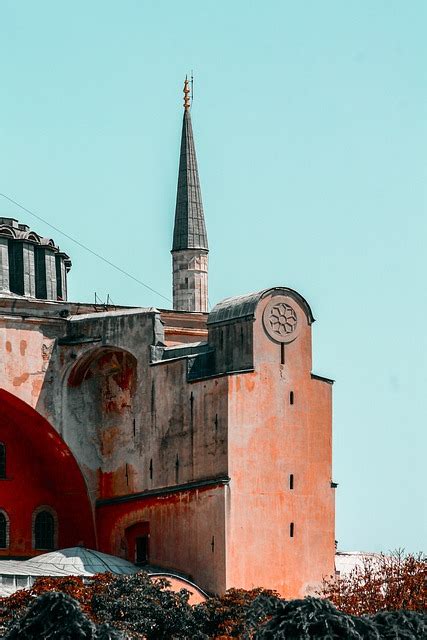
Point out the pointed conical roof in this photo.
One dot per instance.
(190, 230)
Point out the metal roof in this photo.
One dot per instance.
(245, 306)
(190, 230)
(75, 561)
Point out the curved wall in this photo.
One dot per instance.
(40, 472)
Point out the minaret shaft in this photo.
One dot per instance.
(190, 242)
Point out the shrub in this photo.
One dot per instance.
(394, 582)
(139, 604)
(56, 616)
(306, 619)
(400, 625)
(226, 616)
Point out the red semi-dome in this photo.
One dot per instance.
(43, 495)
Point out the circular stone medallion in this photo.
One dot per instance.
(280, 321)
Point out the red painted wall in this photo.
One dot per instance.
(40, 470)
(182, 528)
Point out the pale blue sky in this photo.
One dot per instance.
(311, 130)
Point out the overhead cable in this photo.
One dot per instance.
(83, 246)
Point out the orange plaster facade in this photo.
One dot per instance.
(197, 442)
(281, 518)
(192, 443)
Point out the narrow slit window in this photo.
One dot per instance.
(291, 481)
(282, 353)
(177, 469)
(40, 272)
(151, 468)
(16, 267)
(58, 273)
(291, 530)
(3, 531)
(2, 460)
(291, 397)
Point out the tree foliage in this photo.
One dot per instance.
(57, 616)
(140, 604)
(315, 618)
(114, 607)
(393, 582)
(226, 616)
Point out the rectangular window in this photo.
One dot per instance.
(291, 530)
(58, 269)
(16, 267)
(291, 397)
(40, 269)
(141, 550)
(291, 481)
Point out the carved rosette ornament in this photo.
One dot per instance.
(280, 321)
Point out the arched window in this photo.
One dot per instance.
(2, 460)
(4, 530)
(44, 531)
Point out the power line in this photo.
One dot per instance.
(83, 246)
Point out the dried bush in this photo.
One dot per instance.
(137, 607)
(393, 582)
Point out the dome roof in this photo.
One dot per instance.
(76, 561)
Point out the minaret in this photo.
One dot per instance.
(190, 241)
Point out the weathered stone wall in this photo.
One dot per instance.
(233, 342)
(190, 280)
(205, 462)
(186, 532)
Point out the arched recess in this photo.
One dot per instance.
(34, 237)
(111, 365)
(7, 231)
(42, 471)
(100, 396)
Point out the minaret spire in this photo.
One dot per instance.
(190, 241)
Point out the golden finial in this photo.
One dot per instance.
(186, 95)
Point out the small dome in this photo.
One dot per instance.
(76, 561)
(31, 266)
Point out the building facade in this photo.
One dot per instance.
(191, 440)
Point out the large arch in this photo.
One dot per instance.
(41, 471)
(100, 403)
